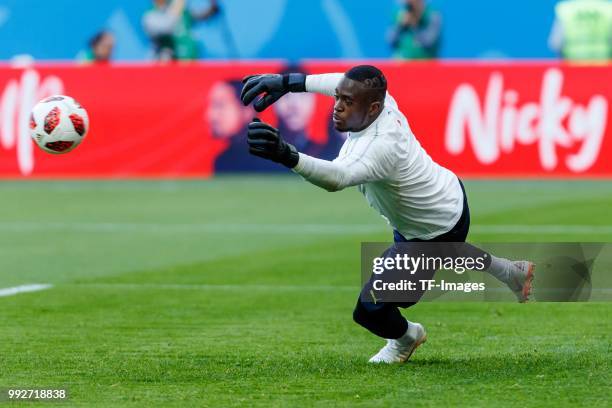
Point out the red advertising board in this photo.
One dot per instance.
(479, 120)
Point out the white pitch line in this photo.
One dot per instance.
(297, 228)
(542, 229)
(113, 227)
(4, 292)
(204, 286)
(283, 288)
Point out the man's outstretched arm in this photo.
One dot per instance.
(333, 175)
(265, 89)
(376, 163)
(325, 84)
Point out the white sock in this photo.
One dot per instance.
(500, 268)
(410, 336)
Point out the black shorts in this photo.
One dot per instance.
(458, 233)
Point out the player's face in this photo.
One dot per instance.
(104, 49)
(225, 113)
(416, 5)
(353, 109)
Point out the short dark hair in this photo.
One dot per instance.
(95, 40)
(371, 77)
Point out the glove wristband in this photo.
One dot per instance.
(295, 82)
(290, 156)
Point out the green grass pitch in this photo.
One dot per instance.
(239, 291)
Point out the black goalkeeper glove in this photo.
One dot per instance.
(273, 86)
(265, 141)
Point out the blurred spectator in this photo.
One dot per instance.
(294, 112)
(168, 25)
(582, 30)
(226, 114)
(228, 119)
(416, 33)
(100, 50)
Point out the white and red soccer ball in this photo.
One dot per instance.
(58, 124)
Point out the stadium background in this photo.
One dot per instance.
(169, 285)
(344, 28)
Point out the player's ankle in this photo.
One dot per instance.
(500, 268)
(411, 334)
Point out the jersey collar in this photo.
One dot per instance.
(370, 128)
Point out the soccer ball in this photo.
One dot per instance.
(58, 124)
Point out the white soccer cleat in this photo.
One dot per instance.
(520, 279)
(400, 350)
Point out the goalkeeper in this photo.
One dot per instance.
(421, 200)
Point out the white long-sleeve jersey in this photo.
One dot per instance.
(417, 196)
